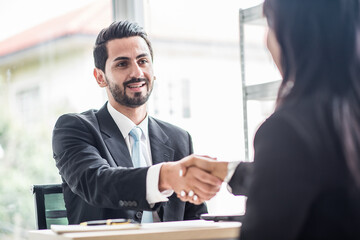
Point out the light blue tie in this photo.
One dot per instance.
(139, 161)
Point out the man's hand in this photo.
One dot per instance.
(194, 178)
(210, 165)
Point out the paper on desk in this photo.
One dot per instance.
(183, 224)
(59, 229)
(178, 225)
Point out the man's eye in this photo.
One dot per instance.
(122, 64)
(143, 61)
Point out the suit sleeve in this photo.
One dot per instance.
(284, 183)
(241, 179)
(98, 181)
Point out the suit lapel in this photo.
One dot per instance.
(160, 152)
(113, 138)
(116, 145)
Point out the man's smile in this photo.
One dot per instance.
(135, 86)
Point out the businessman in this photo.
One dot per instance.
(119, 162)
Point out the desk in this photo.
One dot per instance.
(184, 230)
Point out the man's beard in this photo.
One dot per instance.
(120, 94)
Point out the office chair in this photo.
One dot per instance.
(49, 205)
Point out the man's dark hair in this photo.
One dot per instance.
(120, 29)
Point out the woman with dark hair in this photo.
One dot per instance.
(305, 179)
(306, 176)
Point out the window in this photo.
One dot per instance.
(186, 101)
(28, 102)
(45, 70)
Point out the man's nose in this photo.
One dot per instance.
(136, 71)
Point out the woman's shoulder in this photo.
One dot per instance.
(307, 124)
(306, 116)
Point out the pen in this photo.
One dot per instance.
(106, 222)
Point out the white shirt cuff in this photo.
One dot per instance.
(153, 195)
(231, 169)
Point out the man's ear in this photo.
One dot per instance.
(100, 77)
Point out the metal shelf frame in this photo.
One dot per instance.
(261, 92)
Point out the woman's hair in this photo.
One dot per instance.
(320, 54)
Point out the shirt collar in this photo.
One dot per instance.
(125, 124)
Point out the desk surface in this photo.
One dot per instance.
(185, 230)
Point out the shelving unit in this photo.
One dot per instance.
(261, 91)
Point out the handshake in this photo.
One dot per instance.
(194, 178)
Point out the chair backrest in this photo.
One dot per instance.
(49, 205)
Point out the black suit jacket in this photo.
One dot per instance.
(301, 187)
(99, 180)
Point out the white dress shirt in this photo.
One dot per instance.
(125, 125)
(231, 169)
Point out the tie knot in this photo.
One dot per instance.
(136, 133)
